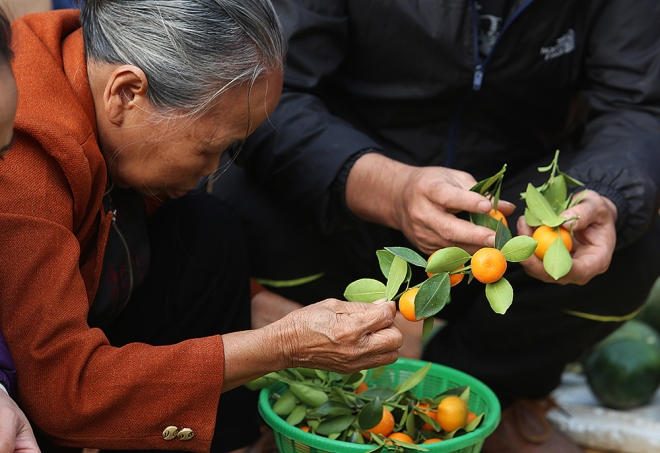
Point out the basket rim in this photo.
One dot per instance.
(466, 440)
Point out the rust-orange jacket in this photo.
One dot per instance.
(71, 382)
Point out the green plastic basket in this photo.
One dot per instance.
(291, 439)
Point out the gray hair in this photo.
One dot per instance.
(190, 50)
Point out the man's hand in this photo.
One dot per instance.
(421, 202)
(15, 431)
(594, 240)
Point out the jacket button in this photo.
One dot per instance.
(186, 434)
(170, 432)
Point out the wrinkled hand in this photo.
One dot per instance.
(344, 337)
(421, 202)
(594, 240)
(15, 431)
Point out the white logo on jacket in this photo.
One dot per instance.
(565, 44)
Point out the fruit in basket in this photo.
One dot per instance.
(385, 426)
(388, 415)
(431, 441)
(452, 413)
(425, 408)
(401, 437)
(623, 371)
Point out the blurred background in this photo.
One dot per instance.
(16, 8)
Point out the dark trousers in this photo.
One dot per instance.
(197, 286)
(519, 354)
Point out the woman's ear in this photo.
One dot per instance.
(125, 89)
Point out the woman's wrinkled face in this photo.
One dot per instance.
(168, 157)
(8, 104)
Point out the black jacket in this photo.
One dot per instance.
(404, 77)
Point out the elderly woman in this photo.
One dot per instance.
(125, 298)
(15, 431)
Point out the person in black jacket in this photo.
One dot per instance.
(391, 112)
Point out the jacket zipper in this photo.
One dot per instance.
(480, 66)
(477, 75)
(128, 253)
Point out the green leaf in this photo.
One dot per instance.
(335, 425)
(371, 414)
(339, 395)
(479, 219)
(355, 437)
(411, 428)
(531, 219)
(427, 326)
(382, 393)
(414, 379)
(571, 181)
(557, 260)
(305, 372)
(385, 259)
(378, 449)
(484, 185)
(577, 200)
(499, 295)
(306, 394)
(502, 235)
(262, 382)
(432, 296)
(430, 420)
(519, 248)
(297, 374)
(408, 255)
(484, 220)
(556, 193)
(545, 169)
(332, 408)
(378, 372)
(474, 424)
(493, 223)
(398, 272)
(447, 260)
(407, 446)
(297, 415)
(540, 208)
(354, 378)
(285, 403)
(454, 391)
(288, 283)
(365, 290)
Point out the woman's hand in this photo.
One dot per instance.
(15, 431)
(421, 202)
(331, 335)
(594, 240)
(343, 336)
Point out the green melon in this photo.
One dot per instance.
(623, 373)
(634, 329)
(650, 314)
